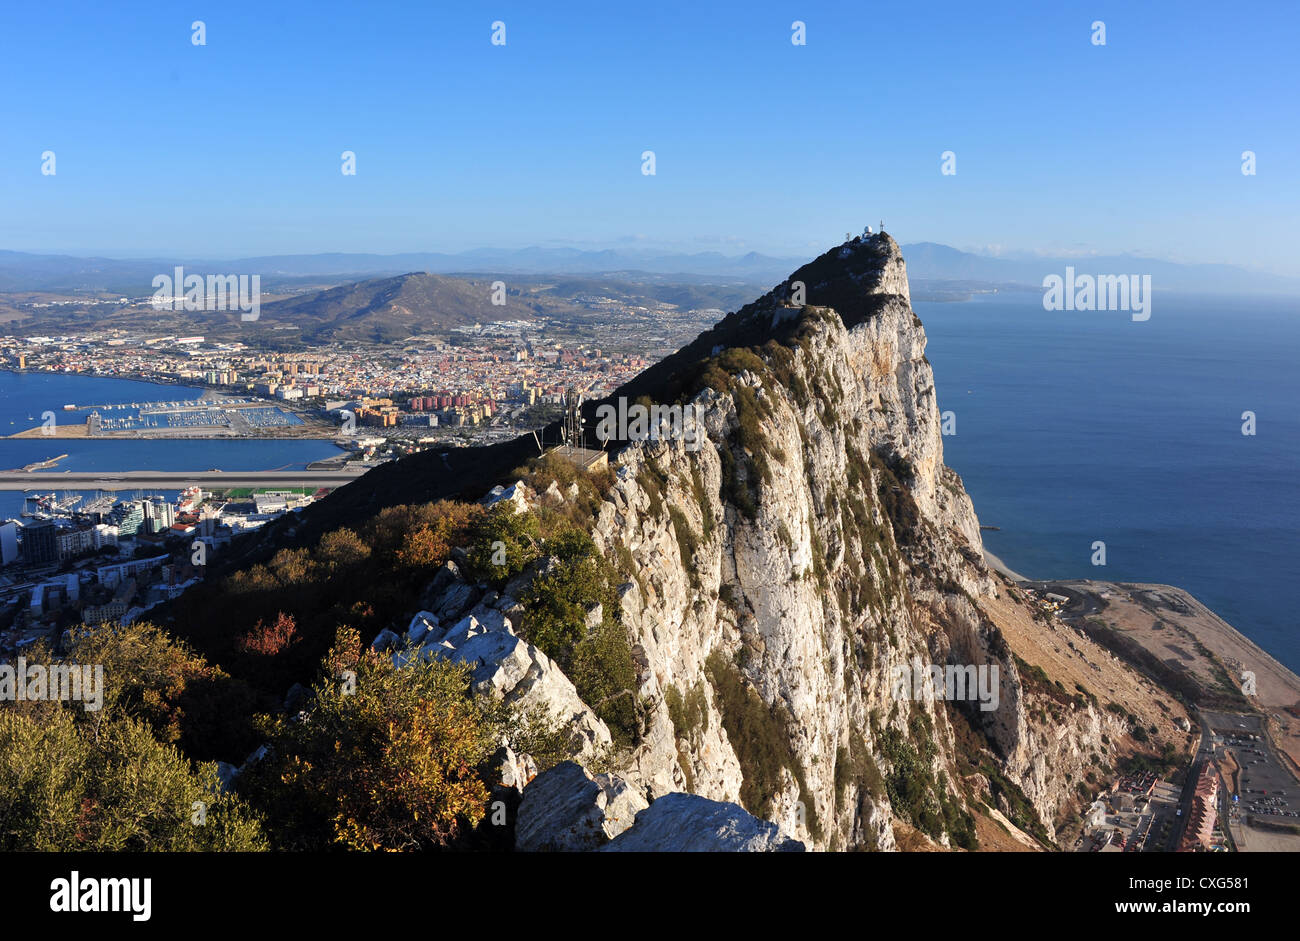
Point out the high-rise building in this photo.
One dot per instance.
(159, 515)
(73, 542)
(127, 517)
(8, 542)
(40, 542)
(105, 535)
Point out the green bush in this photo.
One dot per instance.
(652, 481)
(387, 760)
(687, 543)
(702, 498)
(604, 674)
(555, 613)
(688, 713)
(502, 544)
(68, 783)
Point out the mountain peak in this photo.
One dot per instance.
(859, 279)
(856, 278)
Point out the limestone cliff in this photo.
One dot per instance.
(813, 543)
(781, 575)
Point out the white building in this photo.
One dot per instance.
(105, 535)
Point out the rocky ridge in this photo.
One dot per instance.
(778, 578)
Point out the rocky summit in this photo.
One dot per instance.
(794, 581)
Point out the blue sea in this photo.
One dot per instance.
(1075, 427)
(30, 394)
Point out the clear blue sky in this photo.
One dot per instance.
(233, 148)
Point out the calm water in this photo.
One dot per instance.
(1074, 427)
(31, 394)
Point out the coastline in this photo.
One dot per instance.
(1136, 610)
(998, 565)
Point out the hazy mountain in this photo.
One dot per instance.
(21, 271)
(930, 261)
(927, 261)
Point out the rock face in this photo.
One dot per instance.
(854, 535)
(781, 575)
(687, 823)
(565, 810)
(810, 548)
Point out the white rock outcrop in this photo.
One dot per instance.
(505, 665)
(687, 823)
(566, 810)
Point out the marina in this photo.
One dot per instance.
(206, 416)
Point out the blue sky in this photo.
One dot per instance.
(233, 148)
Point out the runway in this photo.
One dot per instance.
(174, 480)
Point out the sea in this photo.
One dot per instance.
(1073, 428)
(24, 397)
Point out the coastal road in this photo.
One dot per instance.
(174, 480)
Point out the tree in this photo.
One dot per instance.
(158, 679)
(72, 785)
(388, 758)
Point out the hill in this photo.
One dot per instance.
(389, 309)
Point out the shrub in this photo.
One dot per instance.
(267, 640)
(687, 543)
(605, 676)
(387, 762)
(157, 679)
(652, 481)
(503, 543)
(555, 615)
(688, 713)
(68, 783)
(702, 498)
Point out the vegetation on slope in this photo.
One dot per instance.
(761, 738)
(111, 778)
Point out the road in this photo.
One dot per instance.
(175, 480)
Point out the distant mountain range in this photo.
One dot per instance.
(21, 271)
(930, 261)
(927, 262)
